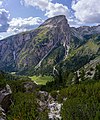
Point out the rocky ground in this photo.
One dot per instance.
(46, 101)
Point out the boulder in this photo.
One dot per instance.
(30, 86)
(5, 97)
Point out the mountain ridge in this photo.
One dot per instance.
(41, 49)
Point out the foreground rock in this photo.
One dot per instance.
(2, 114)
(30, 86)
(46, 101)
(5, 101)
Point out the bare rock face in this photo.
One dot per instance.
(46, 101)
(5, 101)
(5, 97)
(2, 114)
(26, 51)
(30, 86)
(10, 49)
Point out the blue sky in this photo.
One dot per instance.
(18, 10)
(22, 15)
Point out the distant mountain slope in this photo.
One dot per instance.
(82, 53)
(27, 50)
(54, 42)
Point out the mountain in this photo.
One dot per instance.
(71, 55)
(53, 42)
(87, 30)
(83, 51)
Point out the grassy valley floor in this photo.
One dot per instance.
(41, 80)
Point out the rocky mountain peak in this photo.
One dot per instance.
(26, 51)
(54, 21)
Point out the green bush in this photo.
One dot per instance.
(23, 107)
(83, 102)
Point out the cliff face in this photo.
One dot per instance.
(27, 50)
(10, 49)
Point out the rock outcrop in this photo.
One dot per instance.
(5, 97)
(46, 101)
(2, 114)
(30, 86)
(5, 101)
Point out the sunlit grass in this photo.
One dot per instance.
(41, 80)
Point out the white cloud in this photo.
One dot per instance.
(5, 34)
(1, 37)
(23, 24)
(51, 9)
(4, 18)
(1, 2)
(87, 11)
(42, 4)
(56, 9)
(17, 25)
(74, 22)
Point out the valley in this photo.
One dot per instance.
(51, 73)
